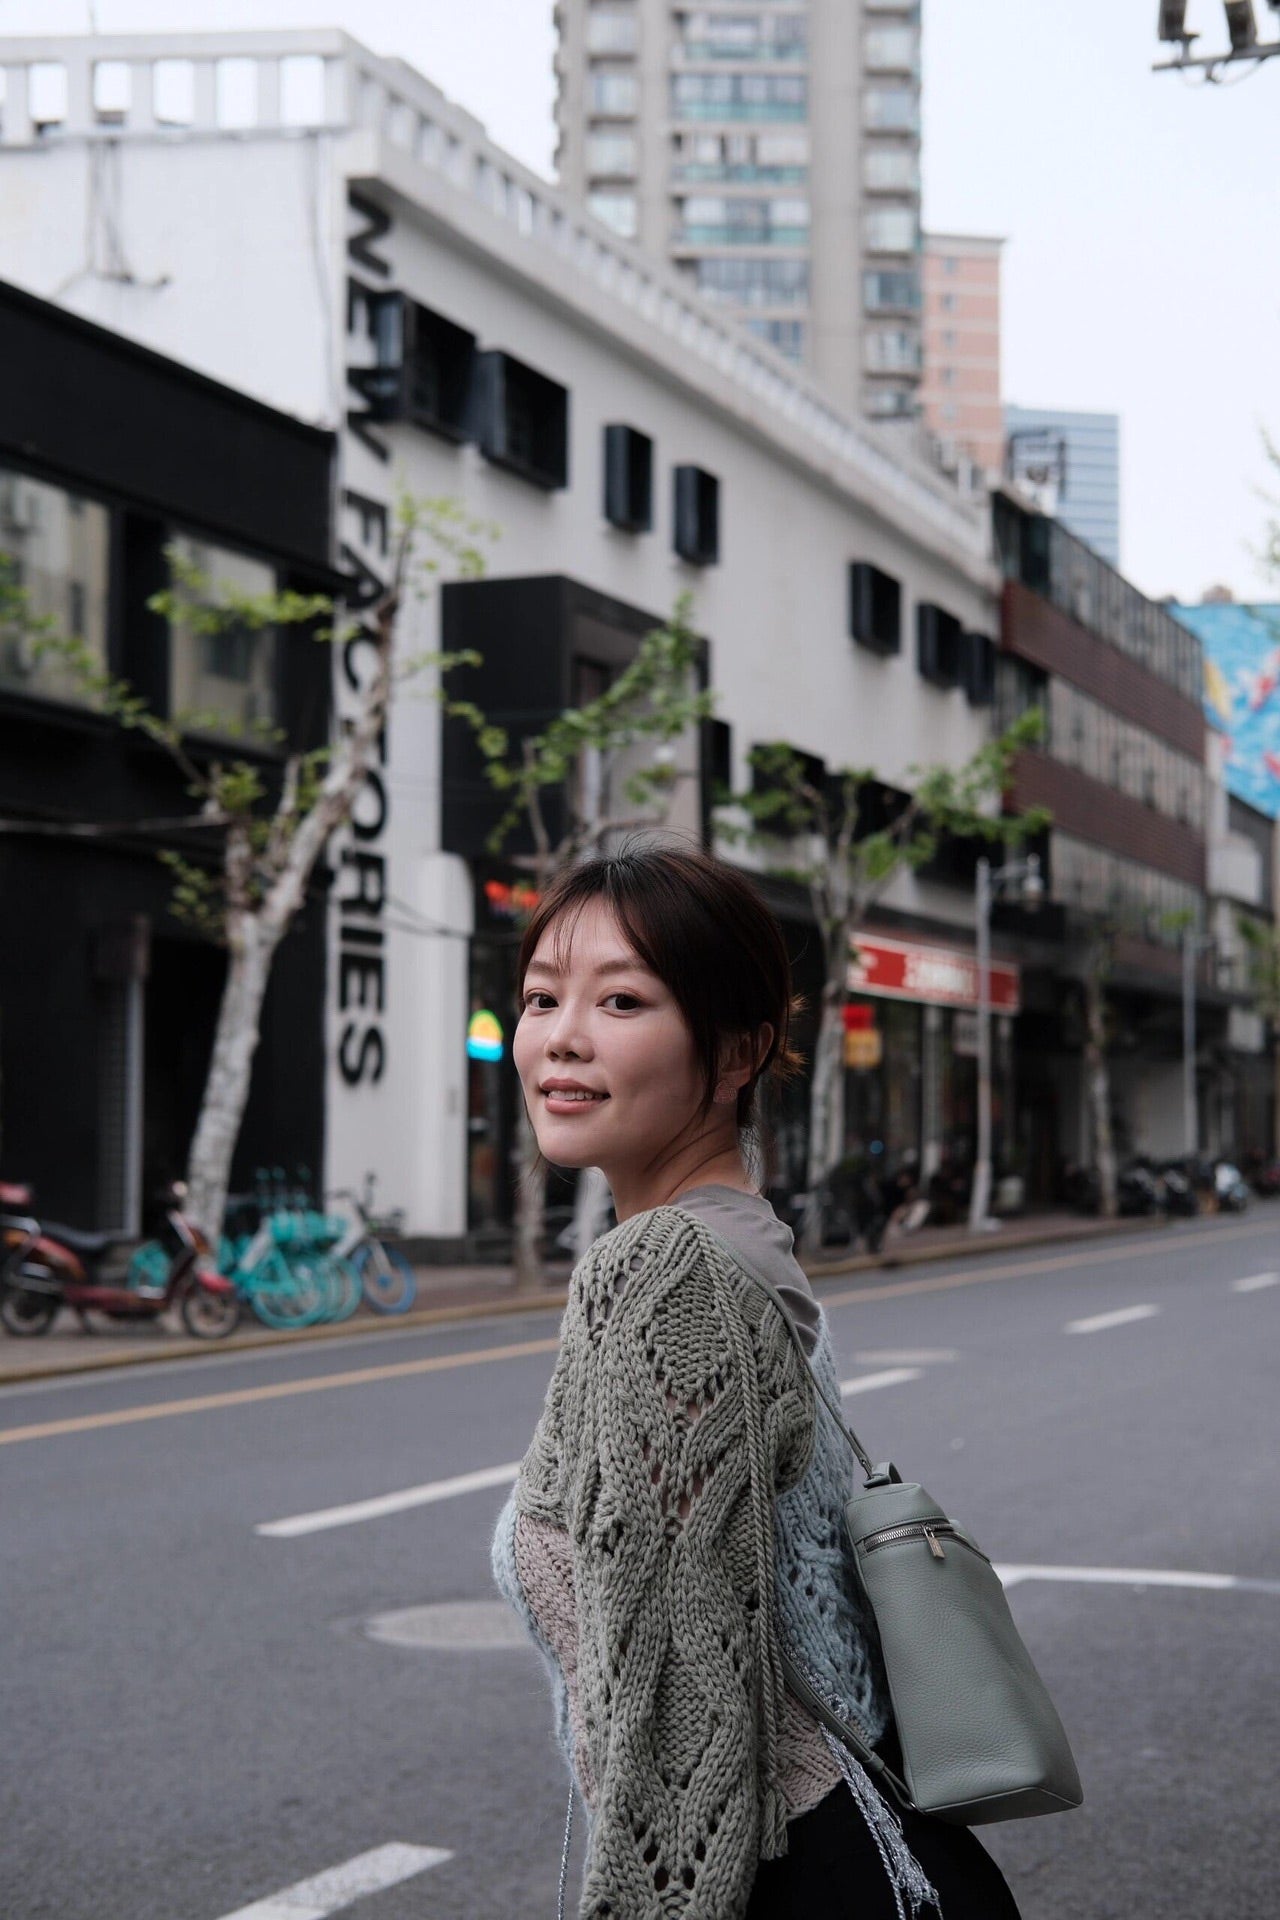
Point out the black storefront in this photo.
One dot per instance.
(109, 455)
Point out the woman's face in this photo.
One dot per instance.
(604, 1056)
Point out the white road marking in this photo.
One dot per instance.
(868, 1382)
(385, 1503)
(1138, 1577)
(1099, 1322)
(906, 1356)
(341, 1886)
(1255, 1282)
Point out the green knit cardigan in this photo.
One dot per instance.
(678, 1410)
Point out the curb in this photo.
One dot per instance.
(553, 1299)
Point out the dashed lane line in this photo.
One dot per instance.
(1255, 1282)
(1103, 1322)
(342, 1886)
(891, 1377)
(384, 1503)
(277, 1390)
(1014, 1576)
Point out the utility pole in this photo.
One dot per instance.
(989, 884)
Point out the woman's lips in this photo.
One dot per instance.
(572, 1099)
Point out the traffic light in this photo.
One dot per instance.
(1241, 25)
(1173, 21)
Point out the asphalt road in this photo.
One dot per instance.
(197, 1716)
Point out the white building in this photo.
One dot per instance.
(320, 227)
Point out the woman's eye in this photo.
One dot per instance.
(537, 1002)
(623, 1002)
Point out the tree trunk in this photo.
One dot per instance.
(226, 1090)
(1099, 1080)
(531, 1204)
(826, 1115)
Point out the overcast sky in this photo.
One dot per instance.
(1142, 273)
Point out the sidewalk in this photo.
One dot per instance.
(447, 1294)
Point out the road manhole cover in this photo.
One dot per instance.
(449, 1625)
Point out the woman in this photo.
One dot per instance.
(676, 1524)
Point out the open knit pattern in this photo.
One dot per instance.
(676, 1482)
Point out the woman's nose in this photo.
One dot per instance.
(567, 1033)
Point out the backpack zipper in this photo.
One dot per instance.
(927, 1530)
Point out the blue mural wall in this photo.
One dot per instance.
(1242, 693)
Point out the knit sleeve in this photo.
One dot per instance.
(694, 1415)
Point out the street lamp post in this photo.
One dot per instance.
(990, 883)
(1192, 945)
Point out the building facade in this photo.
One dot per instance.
(1242, 706)
(1122, 767)
(1069, 464)
(366, 257)
(771, 151)
(109, 457)
(960, 392)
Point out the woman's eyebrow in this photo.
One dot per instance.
(607, 966)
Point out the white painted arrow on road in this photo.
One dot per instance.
(342, 1886)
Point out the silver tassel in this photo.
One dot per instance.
(912, 1890)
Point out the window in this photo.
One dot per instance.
(892, 109)
(522, 420)
(949, 264)
(978, 669)
(948, 337)
(738, 96)
(891, 229)
(892, 49)
(54, 558)
(891, 350)
(755, 283)
(948, 376)
(612, 92)
(948, 303)
(617, 210)
(423, 370)
(938, 638)
(613, 153)
(875, 608)
(764, 159)
(223, 676)
(890, 292)
(609, 30)
(714, 220)
(730, 36)
(786, 337)
(697, 516)
(891, 169)
(892, 403)
(628, 479)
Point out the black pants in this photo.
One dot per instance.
(832, 1870)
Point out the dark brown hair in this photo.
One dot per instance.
(702, 928)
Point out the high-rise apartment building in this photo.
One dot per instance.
(771, 150)
(960, 393)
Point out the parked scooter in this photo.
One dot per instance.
(44, 1266)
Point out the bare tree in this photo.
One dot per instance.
(613, 765)
(820, 834)
(272, 821)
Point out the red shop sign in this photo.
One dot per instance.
(945, 976)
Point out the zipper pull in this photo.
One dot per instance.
(935, 1547)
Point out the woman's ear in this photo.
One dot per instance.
(740, 1061)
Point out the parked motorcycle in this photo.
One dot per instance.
(45, 1266)
(1180, 1196)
